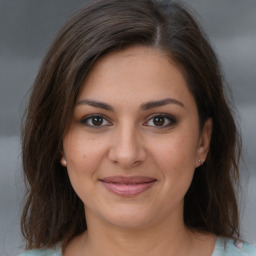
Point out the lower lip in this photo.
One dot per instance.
(127, 189)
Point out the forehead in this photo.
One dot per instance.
(139, 72)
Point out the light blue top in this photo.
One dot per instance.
(229, 247)
(223, 247)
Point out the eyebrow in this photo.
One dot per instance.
(95, 104)
(159, 103)
(145, 106)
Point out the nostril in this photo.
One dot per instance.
(126, 160)
(127, 149)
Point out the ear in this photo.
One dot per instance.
(63, 161)
(204, 142)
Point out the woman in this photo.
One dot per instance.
(129, 145)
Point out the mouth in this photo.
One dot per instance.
(127, 186)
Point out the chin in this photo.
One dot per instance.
(127, 217)
(129, 222)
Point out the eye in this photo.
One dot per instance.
(161, 120)
(95, 121)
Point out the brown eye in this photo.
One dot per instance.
(95, 121)
(159, 121)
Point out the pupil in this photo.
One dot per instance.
(97, 121)
(158, 121)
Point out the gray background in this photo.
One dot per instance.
(27, 28)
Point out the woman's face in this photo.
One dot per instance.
(134, 142)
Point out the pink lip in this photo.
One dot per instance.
(127, 186)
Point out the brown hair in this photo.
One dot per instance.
(52, 211)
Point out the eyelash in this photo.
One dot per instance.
(167, 118)
(85, 120)
(170, 119)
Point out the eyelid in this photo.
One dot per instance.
(171, 118)
(87, 117)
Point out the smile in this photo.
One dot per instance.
(127, 186)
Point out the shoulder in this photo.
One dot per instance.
(42, 252)
(228, 247)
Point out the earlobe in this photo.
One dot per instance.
(204, 142)
(63, 161)
(200, 162)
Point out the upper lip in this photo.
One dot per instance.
(128, 180)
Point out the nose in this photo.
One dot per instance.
(127, 148)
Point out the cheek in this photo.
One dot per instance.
(81, 169)
(177, 151)
(176, 160)
(81, 160)
(84, 155)
(177, 171)
(80, 150)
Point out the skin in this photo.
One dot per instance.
(129, 140)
